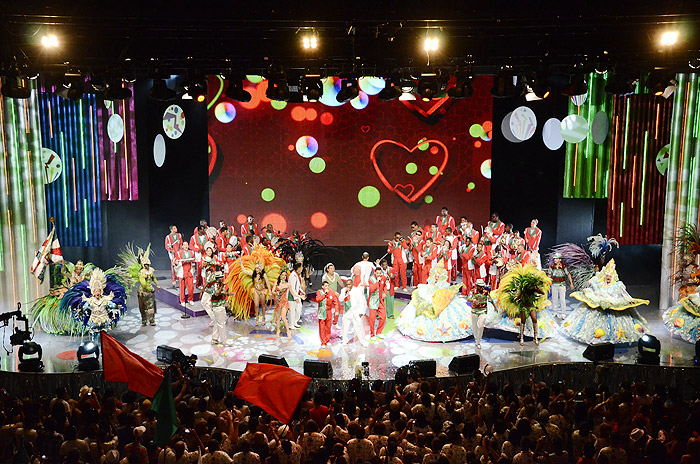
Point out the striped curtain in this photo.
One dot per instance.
(683, 177)
(118, 163)
(22, 204)
(641, 126)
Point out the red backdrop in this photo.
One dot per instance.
(411, 158)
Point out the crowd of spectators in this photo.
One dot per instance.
(419, 422)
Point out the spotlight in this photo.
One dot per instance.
(669, 38)
(427, 87)
(530, 94)
(88, 355)
(15, 87)
(430, 44)
(309, 42)
(160, 91)
(235, 90)
(658, 84)
(463, 88)
(670, 88)
(577, 86)
(277, 89)
(540, 87)
(49, 41)
(312, 87)
(503, 85)
(294, 86)
(649, 348)
(73, 87)
(197, 89)
(115, 90)
(390, 91)
(30, 357)
(620, 84)
(407, 96)
(348, 90)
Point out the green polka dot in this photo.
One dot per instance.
(471, 185)
(433, 170)
(411, 168)
(317, 165)
(423, 146)
(278, 105)
(268, 194)
(476, 130)
(254, 78)
(368, 196)
(428, 199)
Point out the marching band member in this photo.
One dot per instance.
(481, 260)
(375, 302)
(334, 281)
(208, 263)
(467, 251)
(389, 276)
(231, 230)
(327, 299)
(533, 235)
(247, 245)
(270, 234)
(250, 227)
(496, 226)
(184, 260)
(444, 221)
(223, 237)
(454, 243)
(522, 257)
(202, 223)
(399, 258)
(435, 234)
(197, 243)
(173, 243)
(506, 236)
(415, 245)
(467, 232)
(428, 253)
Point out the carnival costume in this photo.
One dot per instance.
(135, 263)
(607, 312)
(523, 289)
(683, 318)
(435, 314)
(239, 281)
(479, 303)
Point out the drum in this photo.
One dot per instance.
(256, 240)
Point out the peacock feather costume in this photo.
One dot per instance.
(239, 282)
(522, 289)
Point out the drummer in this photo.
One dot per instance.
(270, 234)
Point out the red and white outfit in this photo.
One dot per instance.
(497, 229)
(399, 260)
(173, 243)
(248, 229)
(197, 243)
(326, 302)
(468, 234)
(185, 260)
(416, 247)
(481, 261)
(532, 243)
(443, 222)
(454, 244)
(523, 258)
(429, 253)
(467, 253)
(376, 285)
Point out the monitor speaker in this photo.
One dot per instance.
(317, 369)
(465, 364)
(168, 354)
(272, 359)
(599, 352)
(426, 367)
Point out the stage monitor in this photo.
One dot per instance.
(272, 359)
(599, 352)
(465, 364)
(426, 367)
(317, 369)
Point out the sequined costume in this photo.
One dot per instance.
(683, 318)
(97, 304)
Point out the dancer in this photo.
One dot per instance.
(388, 274)
(327, 299)
(281, 294)
(296, 295)
(607, 312)
(334, 281)
(533, 236)
(344, 298)
(147, 293)
(398, 248)
(522, 293)
(479, 301)
(261, 289)
(355, 315)
(213, 300)
(416, 245)
(559, 273)
(375, 302)
(683, 318)
(444, 221)
(184, 260)
(208, 261)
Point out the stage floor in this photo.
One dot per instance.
(499, 349)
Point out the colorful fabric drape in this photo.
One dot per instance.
(586, 164)
(118, 163)
(641, 126)
(22, 205)
(682, 177)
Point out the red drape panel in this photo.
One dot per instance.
(641, 126)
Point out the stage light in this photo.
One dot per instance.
(503, 85)
(669, 38)
(15, 87)
(463, 88)
(115, 90)
(312, 87)
(88, 355)
(72, 88)
(649, 348)
(310, 42)
(349, 89)
(530, 94)
(407, 96)
(577, 86)
(30, 357)
(620, 84)
(427, 87)
(277, 89)
(160, 91)
(49, 41)
(430, 44)
(235, 90)
(390, 91)
(197, 89)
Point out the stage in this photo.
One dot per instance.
(500, 350)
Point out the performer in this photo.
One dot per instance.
(428, 254)
(173, 243)
(481, 260)
(444, 257)
(358, 308)
(213, 300)
(523, 291)
(607, 312)
(444, 221)
(147, 293)
(250, 227)
(435, 234)
(270, 234)
(496, 226)
(196, 245)
(296, 295)
(467, 232)
(91, 305)
(506, 237)
(533, 236)
(326, 299)
(203, 224)
(559, 273)
(231, 230)
(366, 268)
(208, 261)
(467, 252)
(416, 244)
(184, 260)
(334, 281)
(281, 293)
(479, 301)
(223, 238)
(261, 289)
(389, 278)
(454, 244)
(683, 318)
(344, 298)
(522, 256)
(398, 248)
(228, 258)
(375, 302)
(247, 245)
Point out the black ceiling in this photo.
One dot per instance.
(213, 36)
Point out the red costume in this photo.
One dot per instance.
(496, 228)
(532, 239)
(443, 222)
(377, 286)
(173, 243)
(429, 254)
(467, 254)
(398, 261)
(249, 229)
(185, 259)
(417, 265)
(326, 302)
(197, 243)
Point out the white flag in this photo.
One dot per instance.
(50, 252)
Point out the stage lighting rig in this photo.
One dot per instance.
(503, 85)
(312, 87)
(349, 89)
(160, 90)
(197, 89)
(431, 44)
(72, 88)
(577, 86)
(29, 352)
(88, 354)
(115, 90)
(463, 88)
(15, 85)
(49, 41)
(669, 38)
(390, 90)
(235, 90)
(649, 348)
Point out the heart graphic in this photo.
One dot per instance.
(365, 129)
(406, 191)
(432, 114)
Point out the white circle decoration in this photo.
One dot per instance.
(53, 166)
(505, 129)
(174, 121)
(115, 128)
(551, 134)
(523, 123)
(574, 128)
(159, 150)
(599, 128)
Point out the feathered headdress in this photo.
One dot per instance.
(97, 280)
(608, 270)
(601, 245)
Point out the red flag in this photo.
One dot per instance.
(276, 389)
(121, 365)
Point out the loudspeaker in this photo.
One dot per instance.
(168, 354)
(426, 367)
(465, 364)
(317, 369)
(272, 359)
(599, 352)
